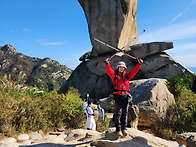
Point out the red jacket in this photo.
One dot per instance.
(121, 81)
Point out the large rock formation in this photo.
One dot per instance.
(111, 21)
(114, 22)
(90, 76)
(153, 98)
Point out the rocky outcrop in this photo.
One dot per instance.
(35, 139)
(114, 23)
(87, 138)
(135, 138)
(45, 72)
(187, 139)
(90, 76)
(111, 21)
(8, 49)
(153, 98)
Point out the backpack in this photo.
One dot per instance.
(115, 77)
(84, 105)
(116, 74)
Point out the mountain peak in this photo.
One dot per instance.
(8, 49)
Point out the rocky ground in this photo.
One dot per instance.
(87, 138)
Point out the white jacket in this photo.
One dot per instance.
(90, 121)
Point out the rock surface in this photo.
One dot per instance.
(23, 137)
(87, 138)
(153, 98)
(32, 71)
(90, 76)
(135, 138)
(187, 139)
(113, 22)
(146, 49)
(8, 49)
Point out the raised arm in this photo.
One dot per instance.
(134, 70)
(109, 70)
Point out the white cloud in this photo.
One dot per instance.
(187, 60)
(181, 13)
(51, 43)
(176, 17)
(171, 32)
(71, 62)
(183, 35)
(183, 50)
(45, 42)
(26, 30)
(41, 40)
(187, 46)
(185, 54)
(13, 30)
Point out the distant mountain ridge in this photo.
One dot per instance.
(45, 72)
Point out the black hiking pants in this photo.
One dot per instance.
(121, 112)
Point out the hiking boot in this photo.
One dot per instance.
(119, 134)
(125, 133)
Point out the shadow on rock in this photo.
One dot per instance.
(44, 145)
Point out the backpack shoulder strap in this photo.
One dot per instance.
(88, 112)
(126, 75)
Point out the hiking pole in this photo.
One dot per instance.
(106, 44)
(135, 58)
(117, 49)
(113, 55)
(133, 39)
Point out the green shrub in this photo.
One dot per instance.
(110, 107)
(177, 83)
(31, 115)
(102, 125)
(8, 110)
(62, 109)
(180, 117)
(34, 109)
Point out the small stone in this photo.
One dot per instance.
(36, 136)
(61, 129)
(28, 142)
(9, 140)
(62, 136)
(23, 137)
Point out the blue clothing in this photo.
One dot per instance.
(101, 113)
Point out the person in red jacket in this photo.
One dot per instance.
(120, 79)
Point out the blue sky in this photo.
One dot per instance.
(58, 29)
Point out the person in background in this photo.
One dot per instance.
(120, 79)
(101, 112)
(85, 99)
(90, 121)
